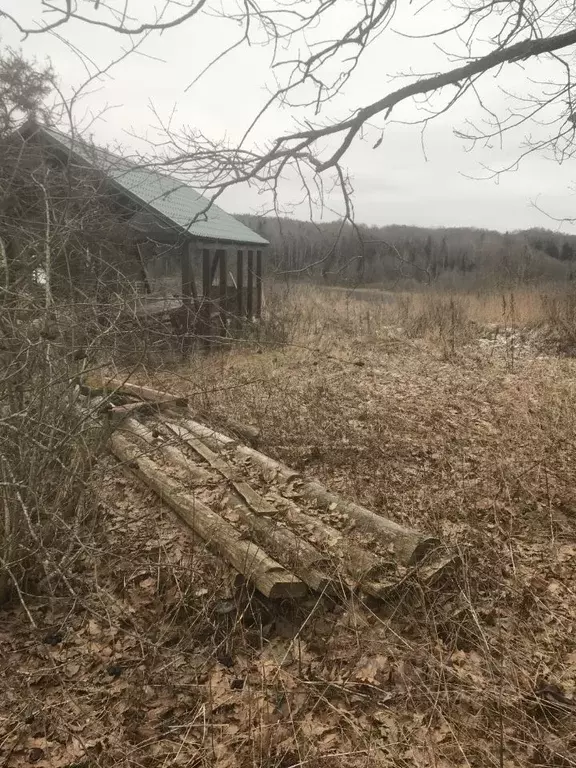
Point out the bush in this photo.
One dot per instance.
(46, 445)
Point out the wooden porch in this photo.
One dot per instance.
(221, 289)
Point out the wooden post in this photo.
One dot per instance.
(240, 284)
(250, 285)
(189, 292)
(214, 266)
(223, 288)
(258, 284)
(206, 306)
(140, 248)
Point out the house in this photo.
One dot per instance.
(161, 211)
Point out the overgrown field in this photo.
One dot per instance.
(453, 414)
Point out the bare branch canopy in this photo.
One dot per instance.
(317, 47)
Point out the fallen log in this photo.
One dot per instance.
(119, 386)
(269, 577)
(117, 413)
(295, 553)
(194, 474)
(254, 500)
(248, 432)
(219, 442)
(106, 397)
(363, 566)
(407, 545)
(366, 568)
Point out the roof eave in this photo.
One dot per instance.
(30, 128)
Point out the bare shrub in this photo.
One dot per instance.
(46, 451)
(65, 280)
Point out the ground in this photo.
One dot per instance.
(455, 416)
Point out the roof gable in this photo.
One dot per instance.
(175, 202)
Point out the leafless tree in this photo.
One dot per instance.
(312, 66)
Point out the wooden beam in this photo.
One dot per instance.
(119, 385)
(258, 283)
(206, 280)
(250, 285)
(214, 267)
(119, 413)
(240, 283)
(140, 247)
(189, 292)
(205, 311)
(223, 288)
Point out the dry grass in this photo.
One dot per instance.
(523, 308)
(415, 409)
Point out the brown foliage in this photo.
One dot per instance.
(160, 660)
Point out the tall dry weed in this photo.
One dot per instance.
(443, 319)
(559, 313)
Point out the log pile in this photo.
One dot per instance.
(283, 532)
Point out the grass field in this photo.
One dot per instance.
(455, 414)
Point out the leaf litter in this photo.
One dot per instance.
(141, 666)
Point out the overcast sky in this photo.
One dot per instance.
(396, 183)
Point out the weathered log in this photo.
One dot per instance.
(246, 431)
(219, 442)
(108, 398)
(363, 566)
(258, 505)
(121, 386)
(117, 413)
(291, 550)
(194, 474)
(245, 556)
(407, 545)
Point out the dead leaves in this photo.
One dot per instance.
(47, 753)
(423, 685)
(374, 670)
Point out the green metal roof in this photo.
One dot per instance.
(177, 205)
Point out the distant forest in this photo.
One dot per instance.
(451, 255)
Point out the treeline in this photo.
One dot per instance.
(452, 255)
